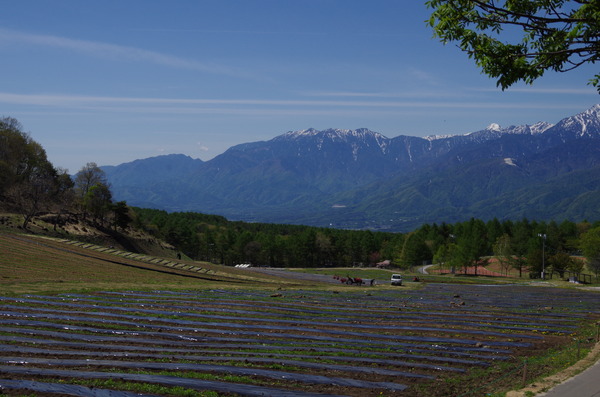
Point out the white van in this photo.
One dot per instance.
(396, 279)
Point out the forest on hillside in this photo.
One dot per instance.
(31, 186)
(523, 245)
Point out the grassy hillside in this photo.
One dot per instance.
(133, 240)
(31, 264)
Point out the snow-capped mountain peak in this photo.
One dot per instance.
(405, 180)
(301, 133)
(540, 127)
(583, 124)
(494, 127)
(438, 137)
(334, 134)
(356, 139)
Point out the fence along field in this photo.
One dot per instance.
(442, 340)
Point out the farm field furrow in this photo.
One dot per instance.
(321, 328)
(273, 313)
(441, 340)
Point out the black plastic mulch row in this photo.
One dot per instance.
(241, 371)
(547, 325)
(356, 304)
(274, 336)
(483, 353)
(248, 359)
(498, 296)
(298, 327)
(170, 381)
(61, 388)
(540, 326)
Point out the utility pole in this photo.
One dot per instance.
(543, 236)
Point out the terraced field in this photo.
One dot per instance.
(442, 340)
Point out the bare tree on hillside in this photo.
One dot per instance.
(34, 193)
(89, 175)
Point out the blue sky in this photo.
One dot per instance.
(116, 80)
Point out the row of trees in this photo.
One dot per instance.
(528, 246)
(523, 245)
(30, 184)
(213, 238)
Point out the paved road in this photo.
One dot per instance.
(301, 276)
(586, 384)
(423, 269)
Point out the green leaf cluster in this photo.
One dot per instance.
(518, 40)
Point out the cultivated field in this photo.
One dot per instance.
(222, 334)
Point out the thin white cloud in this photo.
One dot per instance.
(247, 106)
(286, 32)
(534, 90)
(350, 94)
(113, 51)
(423, 76)
(359, 94)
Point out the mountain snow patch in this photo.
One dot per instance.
(494, 127)
(540, 127)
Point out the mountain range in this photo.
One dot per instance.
(364, 180)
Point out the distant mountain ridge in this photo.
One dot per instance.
(362, 179)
